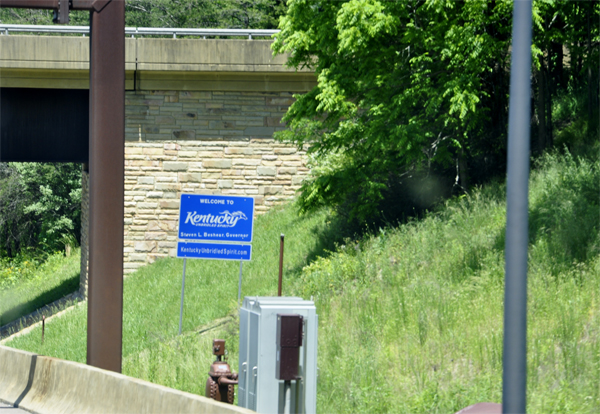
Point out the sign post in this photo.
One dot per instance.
(214, 227)
(182, 290)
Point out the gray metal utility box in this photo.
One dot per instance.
(259, 389)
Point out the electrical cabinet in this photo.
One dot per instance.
(258, 387)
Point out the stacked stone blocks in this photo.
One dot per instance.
(190, 115)
(160, 165)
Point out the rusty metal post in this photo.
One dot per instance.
(107, 168)
(107, 141)
(30, 4)
(280, 266)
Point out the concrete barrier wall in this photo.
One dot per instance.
(48, 385)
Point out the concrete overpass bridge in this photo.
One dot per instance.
(200, 118)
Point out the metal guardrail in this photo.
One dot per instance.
(6, 29)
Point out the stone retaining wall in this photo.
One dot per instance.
(201, 143)
(156, 173)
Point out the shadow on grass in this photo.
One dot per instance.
(567, 218)
(564, 219)
(411, 198)
(66, 287)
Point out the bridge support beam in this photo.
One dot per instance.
(106, 162)
(107, 167)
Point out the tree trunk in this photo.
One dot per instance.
(556, 70)
(549, 140)
(589, 74)
(541, 107)
(462, 168)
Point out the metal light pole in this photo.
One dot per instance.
(514, 380)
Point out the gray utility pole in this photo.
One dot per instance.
(514, 380)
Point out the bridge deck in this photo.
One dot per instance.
(152, 63)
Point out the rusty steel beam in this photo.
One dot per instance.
(30, 4)
(107, 167)
(92, 5)
(107, 143)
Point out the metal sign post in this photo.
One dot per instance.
(240, 285)
(182, 290)
(514, 380)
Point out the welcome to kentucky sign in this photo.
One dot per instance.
(214, 218)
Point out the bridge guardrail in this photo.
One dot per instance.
(6, 29)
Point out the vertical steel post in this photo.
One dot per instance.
(107, 140)
(240, 285)
(514, 380)
(279, 286)
(182, 294)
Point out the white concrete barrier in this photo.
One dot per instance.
(49, 385)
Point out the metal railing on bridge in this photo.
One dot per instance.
(6, 29)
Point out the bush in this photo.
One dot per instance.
(40, 206)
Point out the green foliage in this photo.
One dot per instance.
(258, 14)
(400, 85)
(40, 16)
(16, 231)
(564, 212)
(40, 206)
(35, 284)
(255, 14)
(17, 270)
(410, 318)
(409, 85)
(573, 129)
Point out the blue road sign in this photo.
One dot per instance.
(216, 218)
(214, 251)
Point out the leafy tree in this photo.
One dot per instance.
(16, 231)
(258, 14)
(204, 13)
(400, 85)
(566, 55)
(412, 84)
(40, 206)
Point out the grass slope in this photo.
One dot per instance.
(152, 299)
(410, 318)
(57, 277)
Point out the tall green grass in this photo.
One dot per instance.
(411, 318)
(28, 285)
(152, 294)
